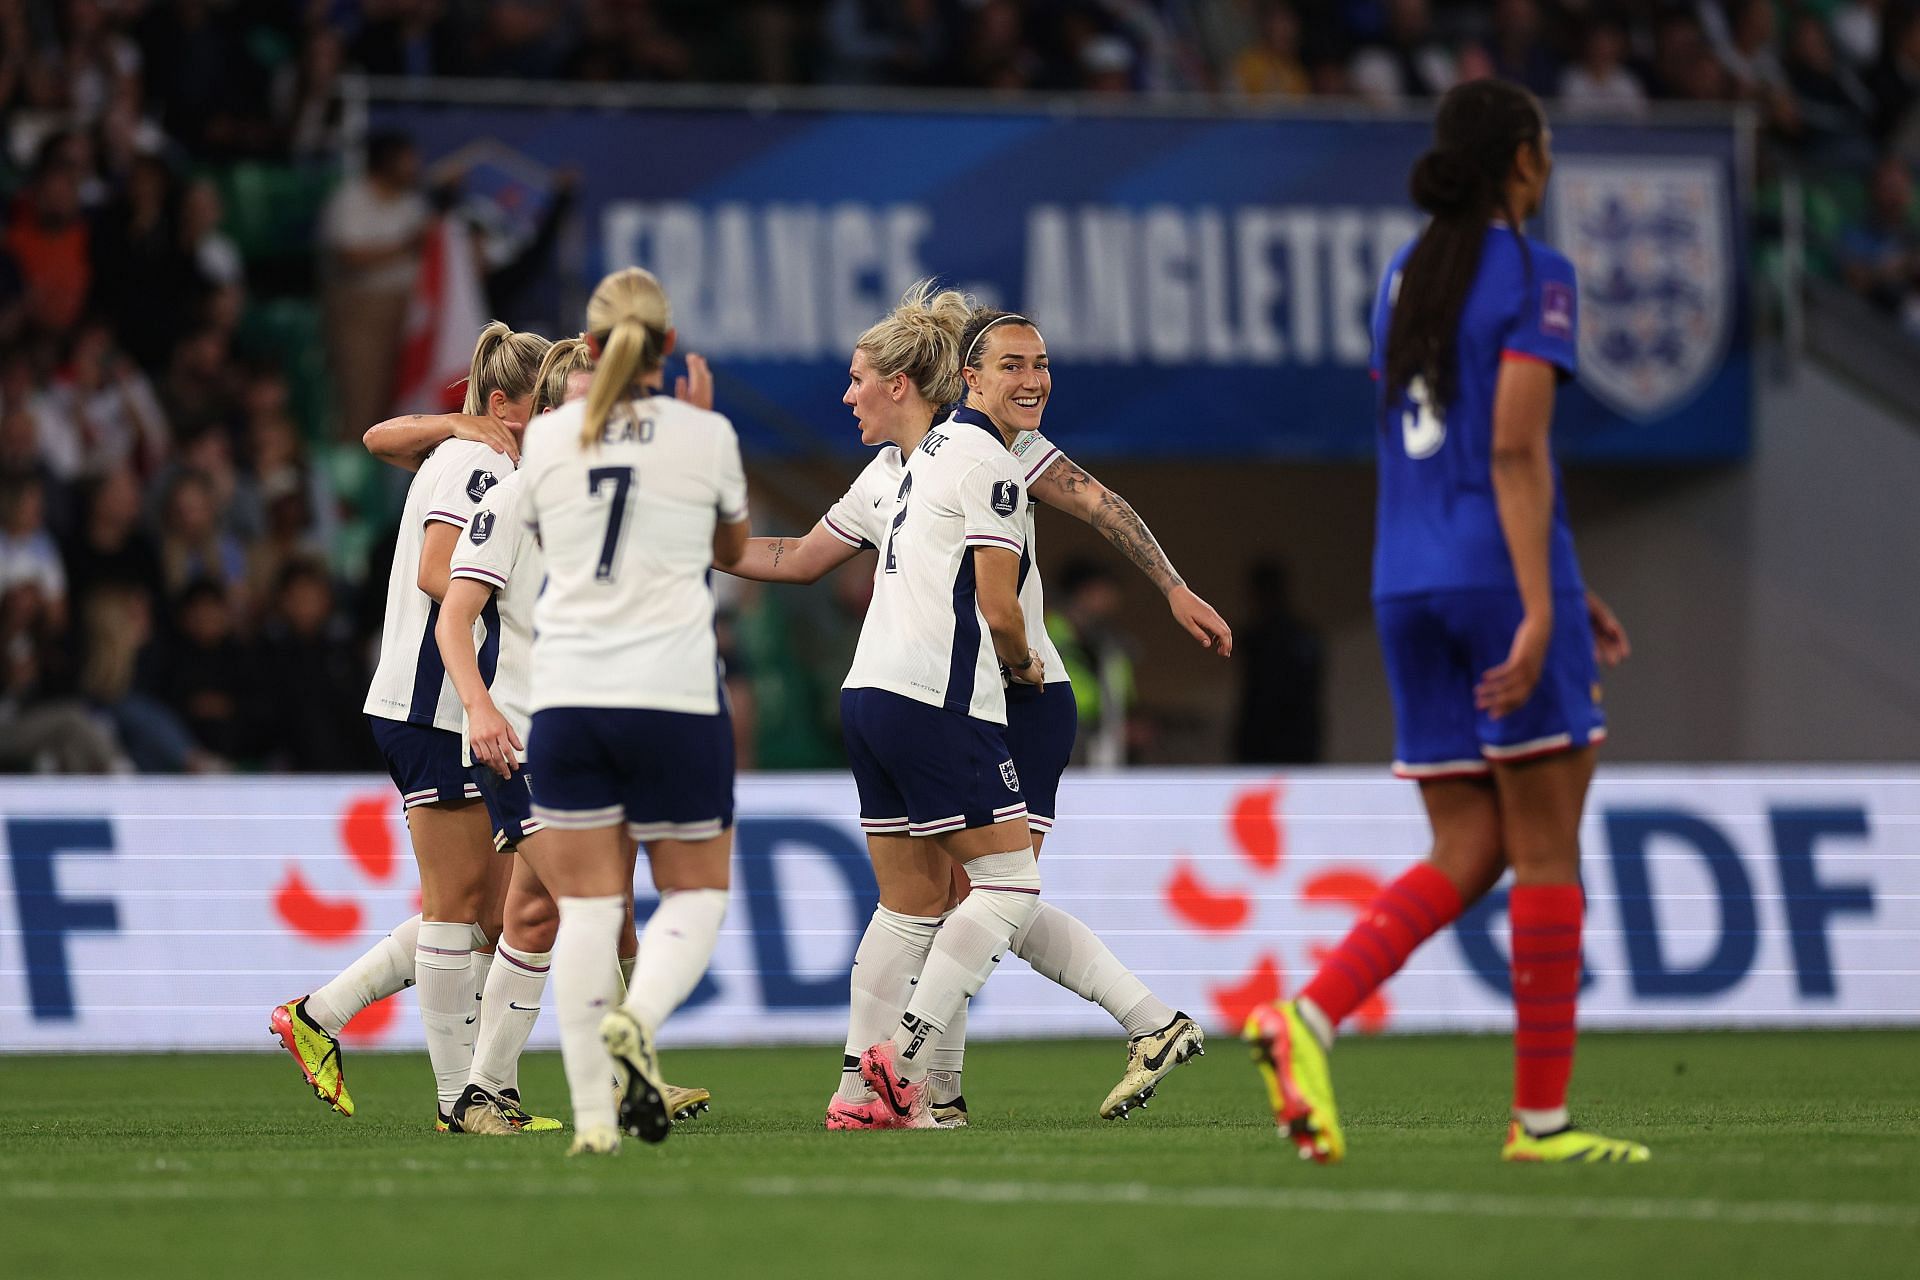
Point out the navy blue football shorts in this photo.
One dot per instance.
(509, 804)
(1438, 644)
(925, 771)
(1041, 724)
(667, 774)
(424, 762)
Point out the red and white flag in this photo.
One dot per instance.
(446, 315)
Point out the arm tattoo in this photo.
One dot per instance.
(1065, 476)
(1119, 524)
(779, 549)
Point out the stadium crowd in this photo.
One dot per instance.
(176, 523)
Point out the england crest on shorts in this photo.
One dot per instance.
(1650, 242)
(1009, 775)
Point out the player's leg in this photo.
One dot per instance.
(511, 1000)
(310, 1026)
(585, 875)
(913, 883)
(453, 845)
(1540, 806)
(676, 947)
(679, 806)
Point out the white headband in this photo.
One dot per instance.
(975, 344)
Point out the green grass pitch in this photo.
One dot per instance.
(1774, 1155)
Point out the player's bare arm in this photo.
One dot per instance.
(997, 578)
(1069, 487)
(730, 540)
(436, 558)
(406, 441)
(1522, 465)
(489, 736)
(804, 560)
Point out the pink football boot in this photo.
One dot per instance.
(871, 1114)
(901, 1104)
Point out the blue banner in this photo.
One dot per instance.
(1203, 282)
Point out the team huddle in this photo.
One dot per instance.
(550, 701)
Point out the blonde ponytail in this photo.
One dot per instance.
(921, 338)
(564, 359)
(503, 361)
(630, 317)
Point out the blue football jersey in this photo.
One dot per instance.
(1437, 527)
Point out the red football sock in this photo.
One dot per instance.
(1405, 914)
(1546, 991)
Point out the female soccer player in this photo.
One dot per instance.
(416, 721)
(634, 497)
(1040, 721)
(1489, 635)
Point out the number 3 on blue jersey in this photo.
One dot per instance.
(621, 478)
(1423, 429)
(899, 518)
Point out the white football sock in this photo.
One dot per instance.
(886, 965)
(675, 949)
(1006, 890)
(584, 989)
(386, 968)
(949, 1058)
(1541, 1123)
(1317, 1021)
(449, 1002)
(1063, 950)
(511, 998)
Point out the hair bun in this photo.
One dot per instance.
(1445, 182)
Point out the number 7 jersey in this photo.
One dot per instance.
(626, 619)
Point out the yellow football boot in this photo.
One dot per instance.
(1570, 1146)
(1294, 1068)
(317, 1053)
(522, 1119)
(685, 1104)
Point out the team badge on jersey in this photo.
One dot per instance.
(479, 482)
(1650, 241)
(1009, 775)
(482, 527)
(1006, 497)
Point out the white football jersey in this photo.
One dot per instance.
(861, 516)
(410, 681)
(626, 619)
(924, 637)
(499, 551)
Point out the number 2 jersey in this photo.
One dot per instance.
(862, 515)
(924, 637)
(626, 528)
(410, 682)
(1437, 525)
(499, 551)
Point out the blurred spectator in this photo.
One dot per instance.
(319, 680)
(402, 38)
(1407, 62)
(1106, 65)
(103, 411)
(118, 629)
(99, 59)
(148, 284)
(307, 101)
(1751, 56)
(1600, 83)
(193, 548)
(1880, 256)
(1282, 671)
(1683, 64)
(213, 253)
(109, 548)
(886, 41)
(1836, 111)
(204, 673)
(1270, 67)
(1519, 49)
(200, 71)
(1895, 81)
(28, 555)
(627, 40)
(48, 239)
(370, 234)
(1856, 26)
(1099, 661)
(202, 390)
(41, 728)
(996, 53)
